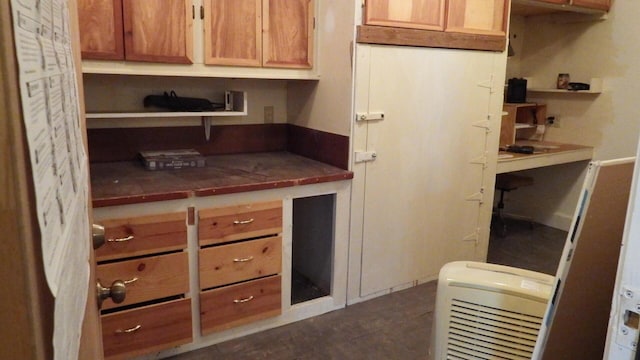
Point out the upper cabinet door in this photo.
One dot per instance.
(288, 28)
(487, 17)
(158, 30)
(593, 4)
(101, 29)
(233, 32)
(413, 14)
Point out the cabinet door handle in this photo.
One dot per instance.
(130, 281)
(240, 301)
(128, 238)
(129, 330)
(240, 260)
(243, 222)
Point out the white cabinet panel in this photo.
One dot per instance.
(423, 192)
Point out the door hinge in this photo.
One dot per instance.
(480, 160)
(193, 12)
(201, 12)
(475, 236)
(365, 156)
(479, 196)
(373, 116)
(484, 124)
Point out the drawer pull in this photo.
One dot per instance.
(129, 331)
(243, 259)
(130, 281)
(243, 222)
(240, 301)
(128, 238)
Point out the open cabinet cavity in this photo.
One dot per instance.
(312, 250)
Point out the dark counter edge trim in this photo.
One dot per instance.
(138, 199)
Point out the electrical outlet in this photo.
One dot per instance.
(553, 121)
(268, 114)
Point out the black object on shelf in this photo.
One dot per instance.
(173, 102)
(516, 90)
(520, 149)
(576, 86)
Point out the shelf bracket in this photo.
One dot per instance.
(484, 124)
(206, 123)
(480, 160)
(475, 236)
(488, 84)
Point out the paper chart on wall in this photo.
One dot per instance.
(52, 125)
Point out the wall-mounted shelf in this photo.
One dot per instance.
(541, 90)
(128, 115)
(534, 85)
(519, 126)
(533, 7)
(238, 102)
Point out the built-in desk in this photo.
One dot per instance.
(545, 154)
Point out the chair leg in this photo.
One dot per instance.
(503, 231)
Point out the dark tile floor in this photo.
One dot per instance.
(395, 326)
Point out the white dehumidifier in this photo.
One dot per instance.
(487, 311)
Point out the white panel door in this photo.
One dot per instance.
(422, 194)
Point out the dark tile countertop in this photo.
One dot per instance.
(119, 183)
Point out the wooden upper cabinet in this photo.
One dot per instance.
(413, 14)
(288, 28)
(593, 4)
(233, 32)
(158, 30)
(101, 29)
(487, 17)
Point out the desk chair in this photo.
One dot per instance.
(504, 183)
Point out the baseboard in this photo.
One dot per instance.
(557, 220)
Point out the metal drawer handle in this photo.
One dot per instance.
(129, 331)
(243, 222)
(128, 238)
(243, 259)
(240, 301)
(130, 281)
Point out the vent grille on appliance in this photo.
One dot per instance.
(481, 332)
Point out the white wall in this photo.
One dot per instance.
(584, 48)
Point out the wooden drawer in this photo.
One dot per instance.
(151, 328)
(239, 222)
(143, 235)
(227, 264)
(147, 278)
(234, 305)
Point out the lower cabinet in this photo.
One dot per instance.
(195, 276)
(146, 254)
(148, 278)
(142, 330)
(240, 277)
(239, 304)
